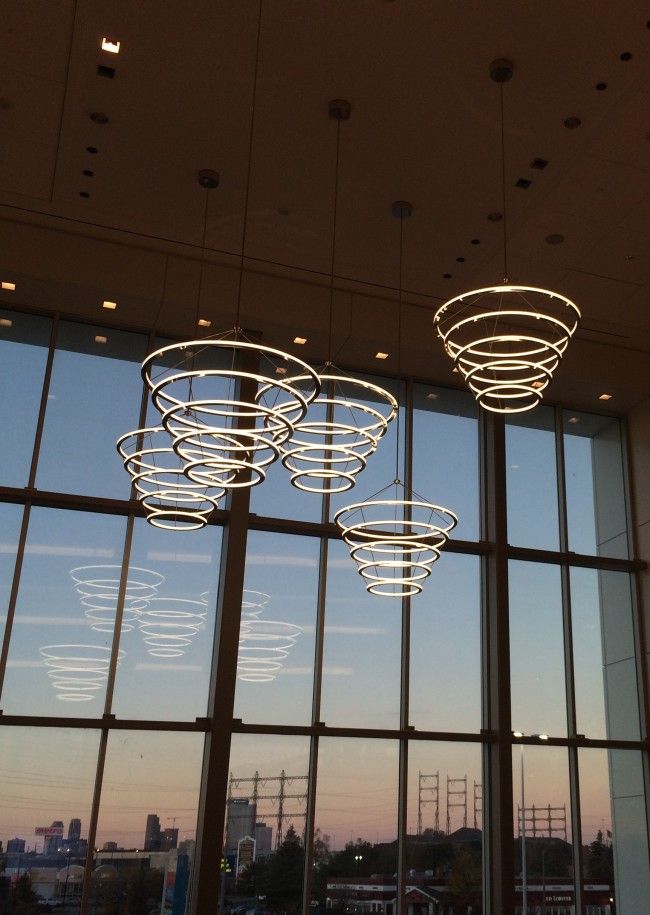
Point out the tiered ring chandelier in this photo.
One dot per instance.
(227, 405)
(396, 535)
(507, 340)
(331, 446)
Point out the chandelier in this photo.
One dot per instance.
(395, 541)
(346, 420)
(169, 624)
(263, 644)
(507, 340)
(77, 672)
(98, 588)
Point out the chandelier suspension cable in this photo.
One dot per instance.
(249, 169)
(333, 254)
(399, 341)
(504, 211)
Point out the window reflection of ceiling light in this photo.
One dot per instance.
(432, 396)
(381, 355)
(605, 397)
(300, 340)
(113, 47)
(8, 286)
(6, 322)
(111, 306)
(204, 322)
(573, 419)
(99, 338)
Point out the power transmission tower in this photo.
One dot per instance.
(456, 797)
(478, 804)
(544, 821)
(429, 793)
(277, 799)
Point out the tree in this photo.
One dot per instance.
(22, 898)
(282, 882)
(465, 877)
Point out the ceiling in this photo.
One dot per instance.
(424, 128)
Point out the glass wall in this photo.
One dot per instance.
(335, 745)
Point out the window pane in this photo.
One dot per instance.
(168, 623)
(355, 844)
(94, 397)
(11, 517)
(595, 487)
(58, 659)
(275, 670)
(614, 829)
(607, 703)
(39, 791)
(23, 354)
(362, 638)
(277, 497)
(537, 649)
(147, 822)
(263, 863)
(445, 668)
(445, 823)
(543, 834)
(446, 454)
(532, 480)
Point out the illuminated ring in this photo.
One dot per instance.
(325, 455)
(253, 603)
(507, 369)
(170, 501)
(99, 594)
(192, 396)
(394, 555)
(231, 461)
(169, 625)
(76, 671)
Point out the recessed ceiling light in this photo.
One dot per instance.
(111, 306)
(6, 322)
(381, 355)
(99, 338)
(280, 370)
(204, 322)
(537, 384)
(8, 286)
(573, 419)
(300, 340)
(455, 370)
(113, 47)
(605, 396)
(432, 395)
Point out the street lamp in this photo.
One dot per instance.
(524, 885)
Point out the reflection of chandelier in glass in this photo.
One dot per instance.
(395, 541)
(169, 624)
(98, 588)
(348, 418)
(263, 646)
(77, 672)
(170, 500)
(507, 340)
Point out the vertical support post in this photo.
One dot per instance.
(499, 878)
(92, 826)
(572, 728)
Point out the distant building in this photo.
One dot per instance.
(109, 846)
(263, 839)
(15, 846)
(152, 835)
(168, 839)
(240, 821)
(74, 830)
(52, 844)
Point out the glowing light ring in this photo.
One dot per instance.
(77, 672)
(169, 625)
(395, 555)
(200, 409)
(99, 594)
(170, 500)
(253, 603)
(263, 646)
(506, 369)
(325, 456)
